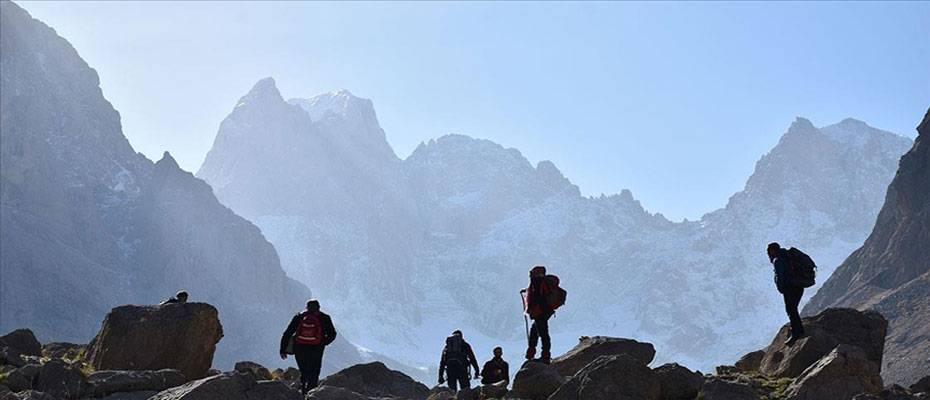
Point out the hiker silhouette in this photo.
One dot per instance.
(457, 357)
(791, 291)
(306, 337)
(496, 369)
(540, 300)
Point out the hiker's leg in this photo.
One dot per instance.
(313, 365)
(300, 354)
(464, 382)
(453, 379)
(543, 328)
(534, 334)
(792, 300)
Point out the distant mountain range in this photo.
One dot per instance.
(890, 273)
(87, 224)
(408, 250)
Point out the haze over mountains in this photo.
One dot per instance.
(407, 250)
(88, 224)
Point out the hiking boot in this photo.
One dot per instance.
(530, 353)
(546, 357)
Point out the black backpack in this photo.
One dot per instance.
(455, 351)
(802, 271)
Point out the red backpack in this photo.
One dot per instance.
(550, 290)
(310, 330)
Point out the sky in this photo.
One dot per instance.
(674, 101)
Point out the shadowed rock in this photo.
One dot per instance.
(751, 361)
(678, 382)
(726, 389)
(102, 383)
(377, 380)
(229, 386)
(22, 341)
(590, 348)
(611, 377)
(173, 336)
(842, 374)
(60, 379)
(535, 381)
(830, 328)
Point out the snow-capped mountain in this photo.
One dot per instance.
(87, 224)
(408, 250)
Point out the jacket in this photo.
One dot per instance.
(780, 267)
(326, 324)
(495, 370)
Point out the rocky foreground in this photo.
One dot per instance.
(165, 353)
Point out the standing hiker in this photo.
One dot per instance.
(180, 297)
(308, 334)
(542, 297)
(457, 356)
(790, 280)
(496, 369)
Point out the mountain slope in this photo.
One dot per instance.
(444, 238)
(890, 273)
(89, 224)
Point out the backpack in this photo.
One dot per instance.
(454, 352)
(310, 330)
(802, 271)
(556, 296)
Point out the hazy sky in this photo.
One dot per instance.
(673, 101)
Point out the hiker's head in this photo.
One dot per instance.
(772, 249)
(457, 333)
(498, 351)
(313, 305)
(538, 270)
(182, 296)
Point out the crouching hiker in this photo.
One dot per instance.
(496, 369)
(457, 357)
(794, 271)
(180, 297)
(540, 300)
(309, 332)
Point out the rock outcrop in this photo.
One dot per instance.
(842, 374)
(890, 272)
(104, 383)
(173, 336)
(590, 348)
(536, 381)
(22, 342)
(611, 377)
(376, 380)
(726, 389)
(826, 330)
(229, 386)
(677, 382)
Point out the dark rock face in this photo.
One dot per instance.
(60, 380)
(832, 327)
(921, 386)
(376, 380)
(22, 341)
(229, 386)
(890, 272)
(611, 377)
(725, 389)
(22, 378)
(590, 348)
(175, 336)
(842, 374)
(32, 395)
(678, 382)
(535, 381)
(751, 361)
(103, 383)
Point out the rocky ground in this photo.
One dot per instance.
(165, 353)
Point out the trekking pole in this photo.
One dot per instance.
(526, 321)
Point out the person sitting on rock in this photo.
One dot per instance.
(791, 293)
(496, 369)
(457, 356)
(308, 334)
(180, 297)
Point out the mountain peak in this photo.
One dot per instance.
(339, 102)
(263, 90)
(801, 124)
(167, 161)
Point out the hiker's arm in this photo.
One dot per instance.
(442, 365)
(506, 372)
(781, 267)
(291, 328)
(329, 331)
(474, 360)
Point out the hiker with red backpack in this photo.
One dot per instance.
(457, 357)
(308, 334)
(540, 300)
(794, 271)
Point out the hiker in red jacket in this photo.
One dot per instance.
(539, 310)
(309, 332)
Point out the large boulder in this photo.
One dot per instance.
(229, 386)
(678, 382)
(60, 379)
(376, 380)
(536, 381)
(22, 378)
(717, 388)
(23, 341)
(826, 330)
(611, 377)
(922, 385)
(11, 357)
(102, 383)
(493, 391)
(172, 336)
(255, 369)
(843, 373)
(590, 348)
(750, 362)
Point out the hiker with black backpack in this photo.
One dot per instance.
(794, 271)
(540, 300)
(457, 357)
(308, 334)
